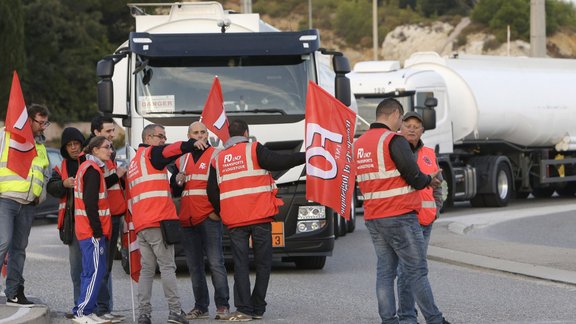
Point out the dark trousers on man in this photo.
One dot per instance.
(251, 303)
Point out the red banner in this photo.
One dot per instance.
(214, 115)
(130, 244)
(22, 148)
(330, 173)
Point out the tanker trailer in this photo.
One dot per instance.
(505, 126)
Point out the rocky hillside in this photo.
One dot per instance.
(441, 37)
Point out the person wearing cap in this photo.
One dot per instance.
(61, 186)
(412, 129)
(389, 177)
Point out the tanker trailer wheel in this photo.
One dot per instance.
(502, 182)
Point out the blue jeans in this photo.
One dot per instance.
(75, 259)
(406, 308)
(15, 225)
(105, 303)
(251, 303)
(205, 239)
(397, 240)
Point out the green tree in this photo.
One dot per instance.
(353, 22)
(64, 41)
(431, 8)
(12, 56)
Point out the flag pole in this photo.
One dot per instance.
(130, 270)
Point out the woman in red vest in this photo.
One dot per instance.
(93, 226)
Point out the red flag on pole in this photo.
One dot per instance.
(330, 173)
(22, 148)
(214, 115)
(129, 242)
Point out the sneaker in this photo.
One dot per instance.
(177, 318)
(257, 317)
(19, 301)
(221, 312)
(89, 319)
(196, 314)
(144, 319)
(444, 321)
(114, 318)
(69, 315)
(237, 317)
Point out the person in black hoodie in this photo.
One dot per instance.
(61, 185)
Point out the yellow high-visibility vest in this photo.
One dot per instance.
(12, 182)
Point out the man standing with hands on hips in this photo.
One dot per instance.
(388, 178)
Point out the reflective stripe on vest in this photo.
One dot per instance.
(428, 204)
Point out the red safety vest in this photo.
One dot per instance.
(247, 192)
(194, 204)
(115, 193)
(82, 224)
(428, 165)
(63, 172)
(386, 193)
(150, 198)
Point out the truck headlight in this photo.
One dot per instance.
(311, 212)
(309, 226)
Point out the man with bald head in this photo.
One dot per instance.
(202, 228)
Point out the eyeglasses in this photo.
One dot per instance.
(43, 123)
(160, 136)
(199, 132)
(106, 147)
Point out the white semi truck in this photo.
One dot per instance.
(503, 127)
(164, 72)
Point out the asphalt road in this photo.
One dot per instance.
(343, 292)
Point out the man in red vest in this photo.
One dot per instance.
(412, 129)
(150, 204)
(388, 178)
(201, 227)
(243, 193)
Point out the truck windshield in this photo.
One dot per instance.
(367, 110)
(263, 85)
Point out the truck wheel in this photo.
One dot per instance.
(503, 185)
(352, 222)
(310, 262)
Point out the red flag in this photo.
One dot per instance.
(22, 148)
(330, 173)
(129, 242)
(214, 115)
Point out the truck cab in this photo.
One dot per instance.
(163, 75)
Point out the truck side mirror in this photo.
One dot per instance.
(105, 71)
(431, 102)
(342, 89)
(429, 117)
